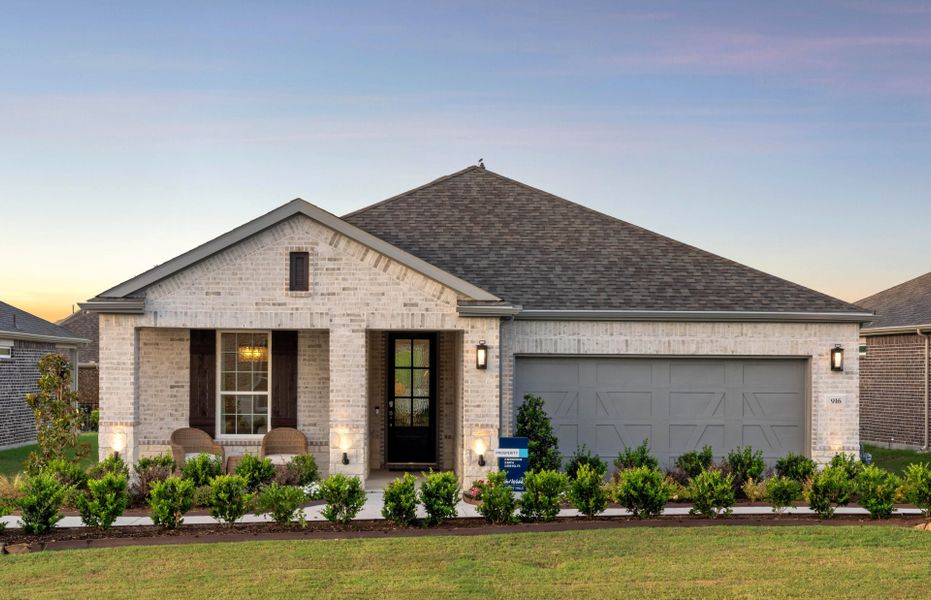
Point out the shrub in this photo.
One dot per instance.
(255, 471)
(850, 464)
(67, 473)
(162, 460)
(305, 468)
(150, 470)
(201, 497)
(743, 464)
(400, 505)
(497, 499)
(4, 511)
(475, 492)
(586, 491)
(201, 469)
(782, 491)
(643, 491)
(543, 493)
(113, 464)
(918, 486)
(677, 491)
(829, 489)
(754, 490)
(229, 498)
(439, 494)
(583, 456)
(712, 493)
(694, 462)
(169, 500)
(105, 499)
(344, 498)
(55, 408)
(534, 424)
(795, 466)
(282, 502)
(42, 498)
(636, 457)
(876, 489)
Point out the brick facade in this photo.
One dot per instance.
(892, 390)
(18, 376)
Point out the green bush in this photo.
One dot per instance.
(498, 501)
(105, 500)
(113, 464)
(543, 493)
(918, 486)
(201, 497)
(344, 498)
(534, 424)
(850, 464)
(255, 471)
(282, 502)
(201, 469)
(150, 470)
(67, 473)
(743, 464)
(829, 489)
(4, 511)
(41, 500)
(57, 418)
(400, 505)
(304, 466)
(782, 491)
(694, 462)
(229, 498)
(876, 489)
(584, 456)
(712, 493)
(795, 466)
(632, 458)
(586, 491)
(754, 490)
(169, 500)
(643, 491)
(439, 494)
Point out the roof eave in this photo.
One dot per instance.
(692, 315)
(120, 306)
(36, 337)
(895, 329)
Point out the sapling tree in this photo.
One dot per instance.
(58, 420)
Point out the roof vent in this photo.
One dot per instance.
(481, 163)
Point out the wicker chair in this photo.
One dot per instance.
(193, 441)
(283, 443)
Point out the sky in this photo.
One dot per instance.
(794, 137)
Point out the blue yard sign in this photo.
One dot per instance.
(512, 454)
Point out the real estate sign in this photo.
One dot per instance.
(512, 454)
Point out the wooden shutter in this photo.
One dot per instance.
(284, 379)
(203, 388)
(299, 279)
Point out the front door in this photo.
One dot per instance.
(411, 399)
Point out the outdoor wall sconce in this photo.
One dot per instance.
(837, 358)
(481, 355)
(119, 442)
(345, 458)
(480, 450)
(344, 446)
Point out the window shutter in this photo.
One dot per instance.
(299, 276)
(284, 379)
(203, 388)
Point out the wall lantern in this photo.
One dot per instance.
(837, 358)
(344, 446)
(480, 450)
(481, 355)
(118, 444)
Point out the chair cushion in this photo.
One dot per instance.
(280, 459)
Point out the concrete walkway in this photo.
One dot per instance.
(375, 499)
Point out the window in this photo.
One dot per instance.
(6, 349)
(245, 404)
(299, 278)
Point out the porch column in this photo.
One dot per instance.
(348, 396)
(119, 387)
(481, 402)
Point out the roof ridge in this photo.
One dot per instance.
(895, 287)
(416, 189)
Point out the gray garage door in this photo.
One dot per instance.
(677, 404)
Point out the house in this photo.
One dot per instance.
(894, 369)
(24, 340)
(86, 325)
(406, 333)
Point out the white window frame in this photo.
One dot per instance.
(220, 393)
(6, 349)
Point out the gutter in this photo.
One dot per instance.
(52, 339)
(893, 330)
(927, 356)
(694, 315)
(121, 306)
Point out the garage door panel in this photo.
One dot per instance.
(696, 375)
(627, 405)
(633, 374)
(696, 404)
(567, 435)
(772, 405)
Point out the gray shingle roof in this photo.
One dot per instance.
(15, 320)
(86, 325)
(906, 304)
(532, 248)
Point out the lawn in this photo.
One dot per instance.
(896, 460)
(672, 562)
(11, 461)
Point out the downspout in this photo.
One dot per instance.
(927, 357)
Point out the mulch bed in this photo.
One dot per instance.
(14, 541)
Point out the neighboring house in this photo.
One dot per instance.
(24, 340)
(86, 324)
(366, 333)
(894, 371)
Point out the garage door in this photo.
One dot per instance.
(677, 404)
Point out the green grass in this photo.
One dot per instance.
(11, 461)
(895, 460)
(670, 562)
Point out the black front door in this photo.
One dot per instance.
(411, 401)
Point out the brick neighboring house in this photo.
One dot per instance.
(24, 340)
(894, 373)
(86, 325)
(367, 332)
